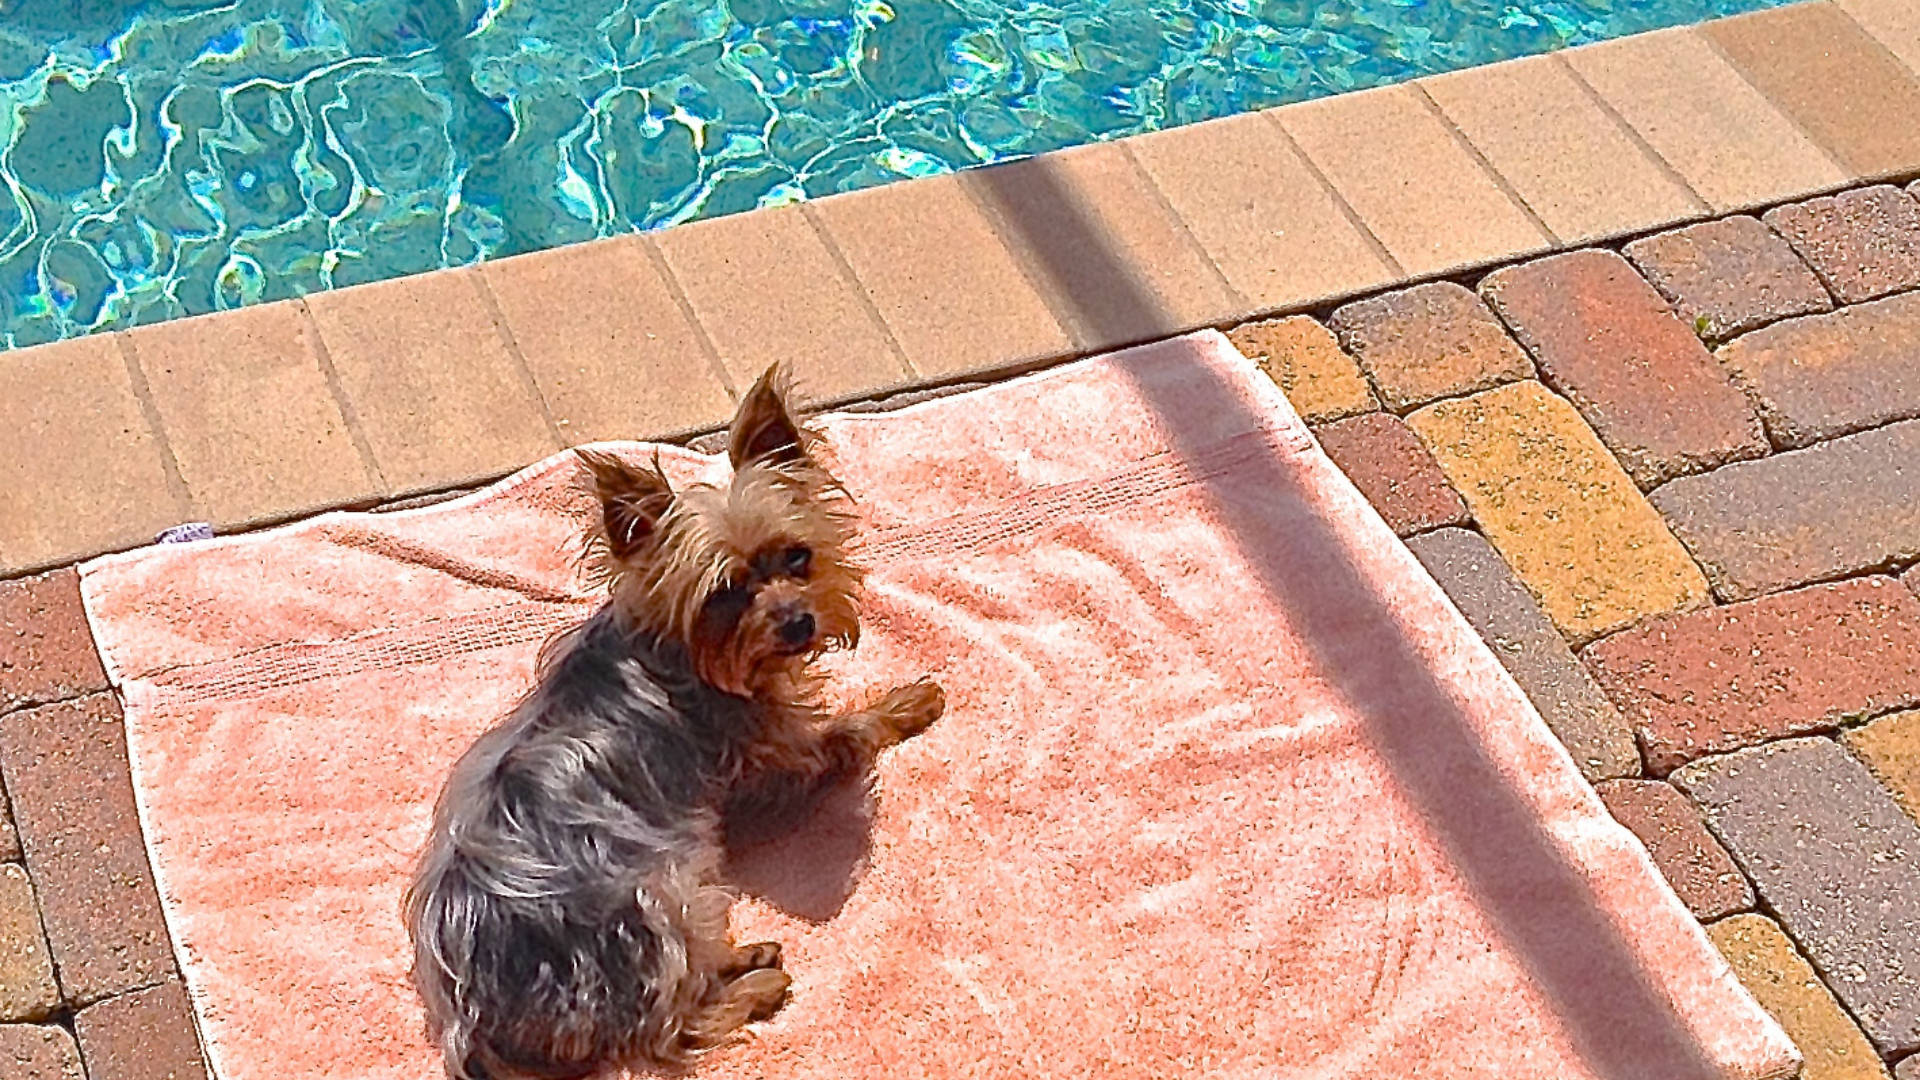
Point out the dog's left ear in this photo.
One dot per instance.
(633, 499)
(763, 429)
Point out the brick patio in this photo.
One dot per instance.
(1674, 482)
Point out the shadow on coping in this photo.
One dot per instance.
(1623, 1025)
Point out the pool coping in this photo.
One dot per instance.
(394, 389)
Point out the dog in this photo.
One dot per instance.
(567, 914)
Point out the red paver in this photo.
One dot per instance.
(1431, 341)
(34, 1052)
(1830, 375)
(1701, 872)
(1863, 243)
(1729, 276)
(145, 1035)
(1838, 864)
(1607, 341)
(1912, 578)
(1908, 1069)
(66, 768)
(1719, 679)
(46, 650)
(1832, 509)
(1395, 471)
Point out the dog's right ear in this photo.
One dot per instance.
(633, 499)
(764, 429)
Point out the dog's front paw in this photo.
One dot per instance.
(911, 709)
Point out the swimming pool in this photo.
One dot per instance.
(173, 157)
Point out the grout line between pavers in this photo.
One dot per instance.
(143, 394)
(1499, 179)
(1242, 302)
(1851, 177)
(1846, 13)
(528, 383)
(715, 363)
(1701, 205)
(1379, 248)
(1058, 305)
(861, 294)
(348, 413)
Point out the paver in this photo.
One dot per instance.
(1431, 341)
(1863, 243)
(1521, 636)
(1781, 980)
(1832, 509)
(1890, 747)
(1559, 509)
(1693, 862)
(66, 770)
(27, 989)
(38, 1052)
(1394, 470)
(46, 650)
(145, 1035)
(9, 835)
(1894, 24)
(1299, 354)
(1714, 680)
(1729, 276)
(1838, 863)
(1606, 340)
(1908, 1068)
(1824, 376)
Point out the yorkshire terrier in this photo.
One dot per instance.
(568, 915)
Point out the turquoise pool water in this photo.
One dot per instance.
(171, 157)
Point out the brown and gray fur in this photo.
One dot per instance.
(567, 916)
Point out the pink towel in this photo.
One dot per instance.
(1226, 787)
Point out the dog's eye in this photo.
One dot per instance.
(729, 601)
(798, 559)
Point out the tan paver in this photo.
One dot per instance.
(254, 426)
(1720, 134)
(439, 397)
(1838, 84)
(1276, 232)
(1120, 265)
(1895, 24)
(766, 288)
(1571, 161)
(1302, 356)
(954, 296)
(1891, 748)
(82, 469)
(1412, 183)
(608, 345)
(27, 989)
(1785, 985)
(1561, 511)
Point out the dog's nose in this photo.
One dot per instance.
(797, 630)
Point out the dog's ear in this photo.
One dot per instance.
(633, 499)
(763, 429)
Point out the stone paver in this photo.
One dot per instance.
(1300, 355)
(1151, 278)
(145, 1035)
(1863, 243)
(955, 298)
(1781, 980)
(1427, 199)
(1606, 340)
(1890, 747)
(1833, 509)
(1817, 66)
(250, 416)
(1559, 509)
(609, 347)
(73, 434)
(46, 650)
(1836, 861)
(1824, 376)
(1571, 161)
(66, 771)
(9, 835)
(1727, 677)
(1431, 341)
(1508, 618)
(438, 396)
(37, 1052)
(27, 989)
(1908, 1068)
(1704, 118)
(1693, 862)
(1894, 24)
(1256, 208)
(1394, 470)
(1729, 276)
